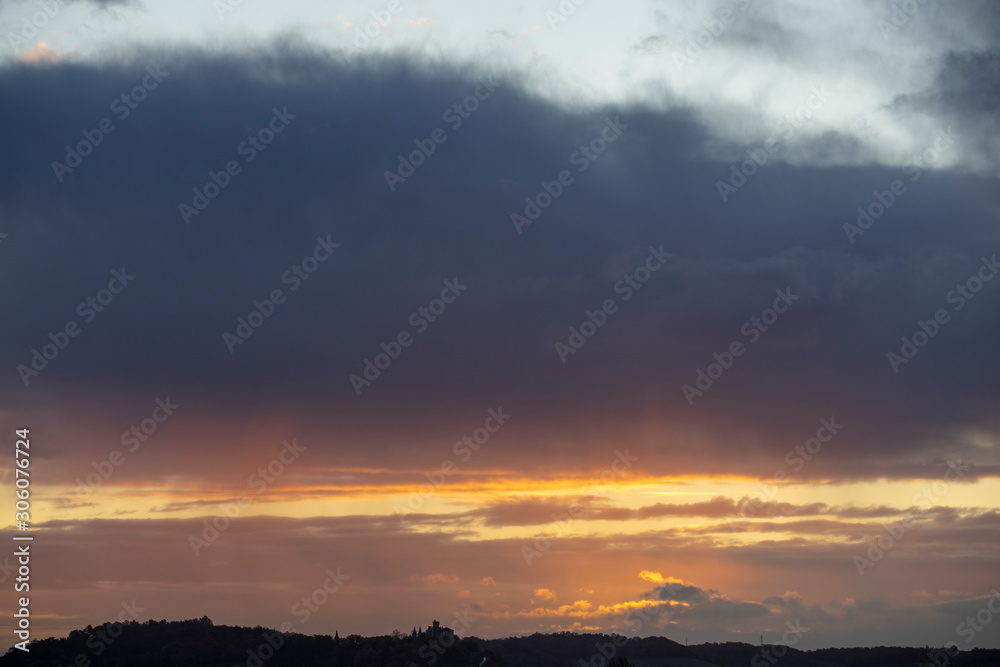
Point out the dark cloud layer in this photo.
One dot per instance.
(323, 177)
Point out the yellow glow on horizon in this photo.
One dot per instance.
(450, 504)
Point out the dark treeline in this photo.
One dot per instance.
(199, 643)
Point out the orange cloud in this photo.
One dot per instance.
(582, 609)
(544, 594)
(39, 53)
(488, 581)
(657, 578)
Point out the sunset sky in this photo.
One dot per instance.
(537, 314)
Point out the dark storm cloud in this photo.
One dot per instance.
(323, 177)
(680, 592)
(719, 610)
(966, 92)
(700, 604)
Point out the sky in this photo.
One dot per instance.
(658, 318)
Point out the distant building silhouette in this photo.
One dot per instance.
(438, 631)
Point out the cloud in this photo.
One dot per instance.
(544, 594)
(377, 555)
(679, 591)
(691, 603)
(423, 21)
(435, 579)
(110, 3)
(652, 45)
(40, 53)
(722, 273)
(742, 57)
(963, 94)
(719, 610)
(515, 511)
(450, 219)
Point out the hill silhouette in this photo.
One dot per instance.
(200, 643)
